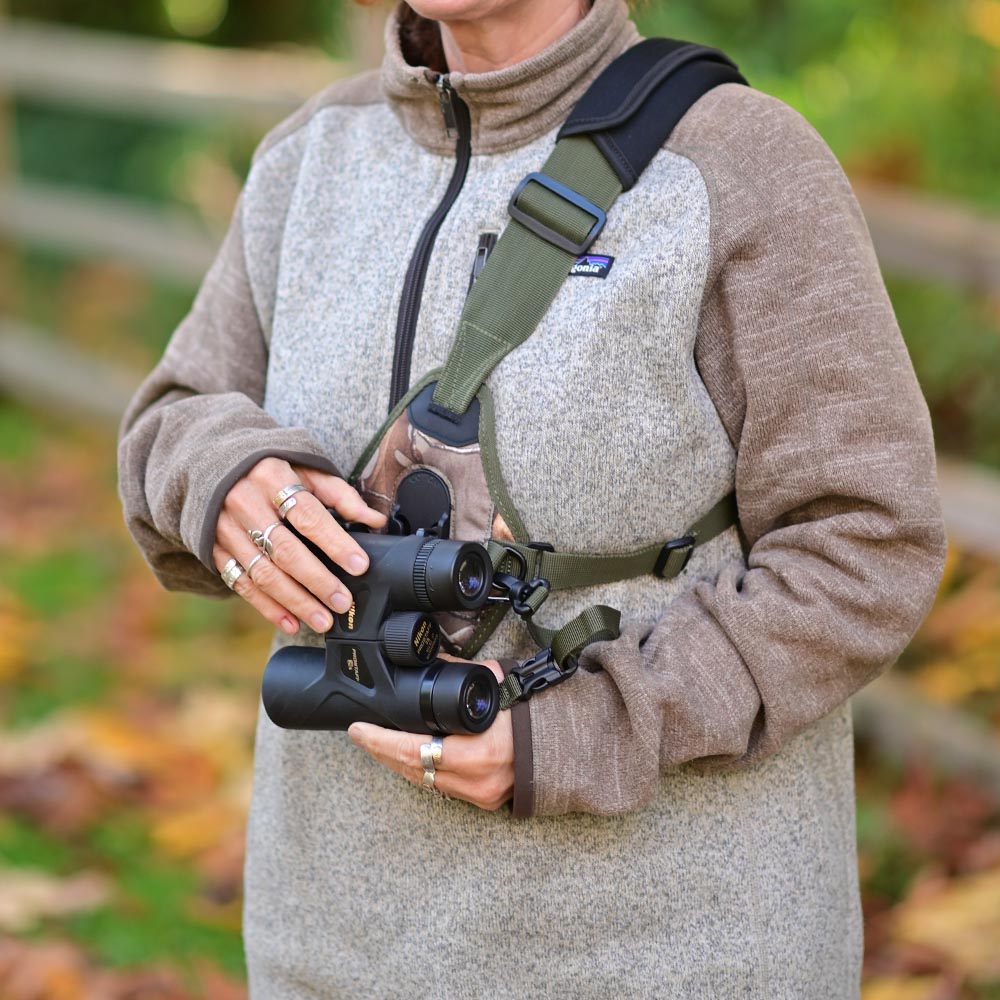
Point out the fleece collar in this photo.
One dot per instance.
(512, 106)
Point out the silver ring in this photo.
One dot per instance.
(285, 493)
(231, 572)
(430, 753)
(253, 562)
(427, 782)
(262, 539)
(286, 506)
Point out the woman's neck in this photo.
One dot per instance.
(509, 36)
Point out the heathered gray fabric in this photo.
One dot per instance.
(735, 883)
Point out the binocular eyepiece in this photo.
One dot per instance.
(380, 663)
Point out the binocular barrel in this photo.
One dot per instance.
(299, 692)
(421, 572)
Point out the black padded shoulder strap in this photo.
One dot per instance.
(632, 108)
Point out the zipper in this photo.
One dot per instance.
(457, 123)
(487, 241)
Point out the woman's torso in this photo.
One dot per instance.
(738, 884)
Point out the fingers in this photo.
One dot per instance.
(313, 520)
(253, 595)
(248, 505)
(270, 576)
(293, 583)
(309, 516)
(341, 496)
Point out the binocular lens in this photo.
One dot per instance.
(471, 576)
(478, 700)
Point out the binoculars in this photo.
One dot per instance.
(380, 663)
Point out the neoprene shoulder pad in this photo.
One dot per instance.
(631, 109)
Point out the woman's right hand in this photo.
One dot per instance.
(293, 584)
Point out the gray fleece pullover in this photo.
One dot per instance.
(691, 787)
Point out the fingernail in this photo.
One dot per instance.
(355, 733)
(321, 621)
(340, 602)
(357, 563)
(289, 625)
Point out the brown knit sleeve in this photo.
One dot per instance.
(196, 425)
(835, 481)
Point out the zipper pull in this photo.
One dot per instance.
(487, 241)
(445, 93)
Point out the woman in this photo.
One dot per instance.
(690, 790)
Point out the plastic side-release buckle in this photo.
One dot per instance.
(542, 672)
(547, 233)
(674, 557)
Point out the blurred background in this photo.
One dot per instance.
(126, 713)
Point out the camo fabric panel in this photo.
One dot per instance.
(473, 515)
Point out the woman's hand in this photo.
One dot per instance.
(478, 769)
(293, 584)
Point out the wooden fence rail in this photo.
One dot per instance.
(916, 235)
(175, 81)
(164, 242)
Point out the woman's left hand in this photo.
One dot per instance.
(477, 768)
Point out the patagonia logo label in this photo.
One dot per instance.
(592, 265)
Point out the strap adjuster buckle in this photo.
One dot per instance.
(547, 233)
(674, 557)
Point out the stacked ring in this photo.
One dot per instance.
(253, 562)
(286, 506)
(231, 572)
(285, 494)
(430, 753)
(430, 759)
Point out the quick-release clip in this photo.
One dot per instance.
(534, 675)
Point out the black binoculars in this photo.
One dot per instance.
(380, 663)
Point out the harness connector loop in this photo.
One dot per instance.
(520, 593)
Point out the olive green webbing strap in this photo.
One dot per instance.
(523, 275)
(593, 624)
(563, 570)
(525, 271)
(582, 569)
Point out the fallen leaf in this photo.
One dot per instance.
(960, 918)
(189, 832)
(216, 986)
(16, 632)
(64, 798)
(29, 895)
(49, 971)
(902, 988)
